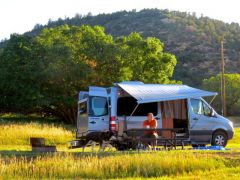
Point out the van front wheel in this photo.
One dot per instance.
(219, 139)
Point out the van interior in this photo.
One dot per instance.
(173, 114)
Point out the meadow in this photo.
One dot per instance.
(18, 162)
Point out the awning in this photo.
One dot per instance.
(146, 93)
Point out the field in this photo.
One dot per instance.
(18, 162)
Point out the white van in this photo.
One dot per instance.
(174, 106)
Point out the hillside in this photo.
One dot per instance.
(195, 41)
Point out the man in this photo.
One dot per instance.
(150, 123)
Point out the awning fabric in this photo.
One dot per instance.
(146, 93)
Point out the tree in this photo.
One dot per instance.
(144, 59)
(19, 71)
(232, 92)
(74, 58)
(45, 73)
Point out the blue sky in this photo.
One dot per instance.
(19, 16)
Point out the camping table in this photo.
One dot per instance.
(134, 134)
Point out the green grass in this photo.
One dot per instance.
(18, 162)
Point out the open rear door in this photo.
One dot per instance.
(82, 118)
(98, 112)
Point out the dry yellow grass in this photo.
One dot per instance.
(18, 133)
(119, 165)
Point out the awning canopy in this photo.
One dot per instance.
(146, 93)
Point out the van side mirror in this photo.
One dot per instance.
(212, 114)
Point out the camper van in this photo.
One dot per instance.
(125, 106)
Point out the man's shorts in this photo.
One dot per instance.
(154, 137)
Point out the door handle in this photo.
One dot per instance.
(92, 122)
(195, 119)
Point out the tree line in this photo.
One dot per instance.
(232, 92)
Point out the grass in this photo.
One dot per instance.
(16, 131)
(120, 165)
(68, 165)
(235, 142)
(18, 162)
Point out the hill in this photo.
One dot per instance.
(194, 40)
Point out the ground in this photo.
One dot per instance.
(18, 162)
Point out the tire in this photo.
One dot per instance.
(219, 139)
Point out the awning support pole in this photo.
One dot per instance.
(133, 112)
(212, 99)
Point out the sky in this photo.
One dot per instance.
(19, 16)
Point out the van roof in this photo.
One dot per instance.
(146, 93)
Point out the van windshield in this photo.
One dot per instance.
(98, 106)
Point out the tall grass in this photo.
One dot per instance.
(16, 131)
(235, 142)
(114, 166)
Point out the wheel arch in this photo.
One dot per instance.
(221, 130)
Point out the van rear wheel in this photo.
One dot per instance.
(219, 139)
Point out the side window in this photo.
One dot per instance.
(197, 106)
(83, 108)
(206, 109)
(98, 106)
(126, 105)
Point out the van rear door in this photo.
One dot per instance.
(98, 113)
(82, 116)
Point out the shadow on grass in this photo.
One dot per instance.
(6, 119)
(25, 153)
(10, 153)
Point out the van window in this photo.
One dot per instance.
(82, 108)
(98, 106)
(126, 105)
(206, 109)
(200, 107)
(197, 107)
